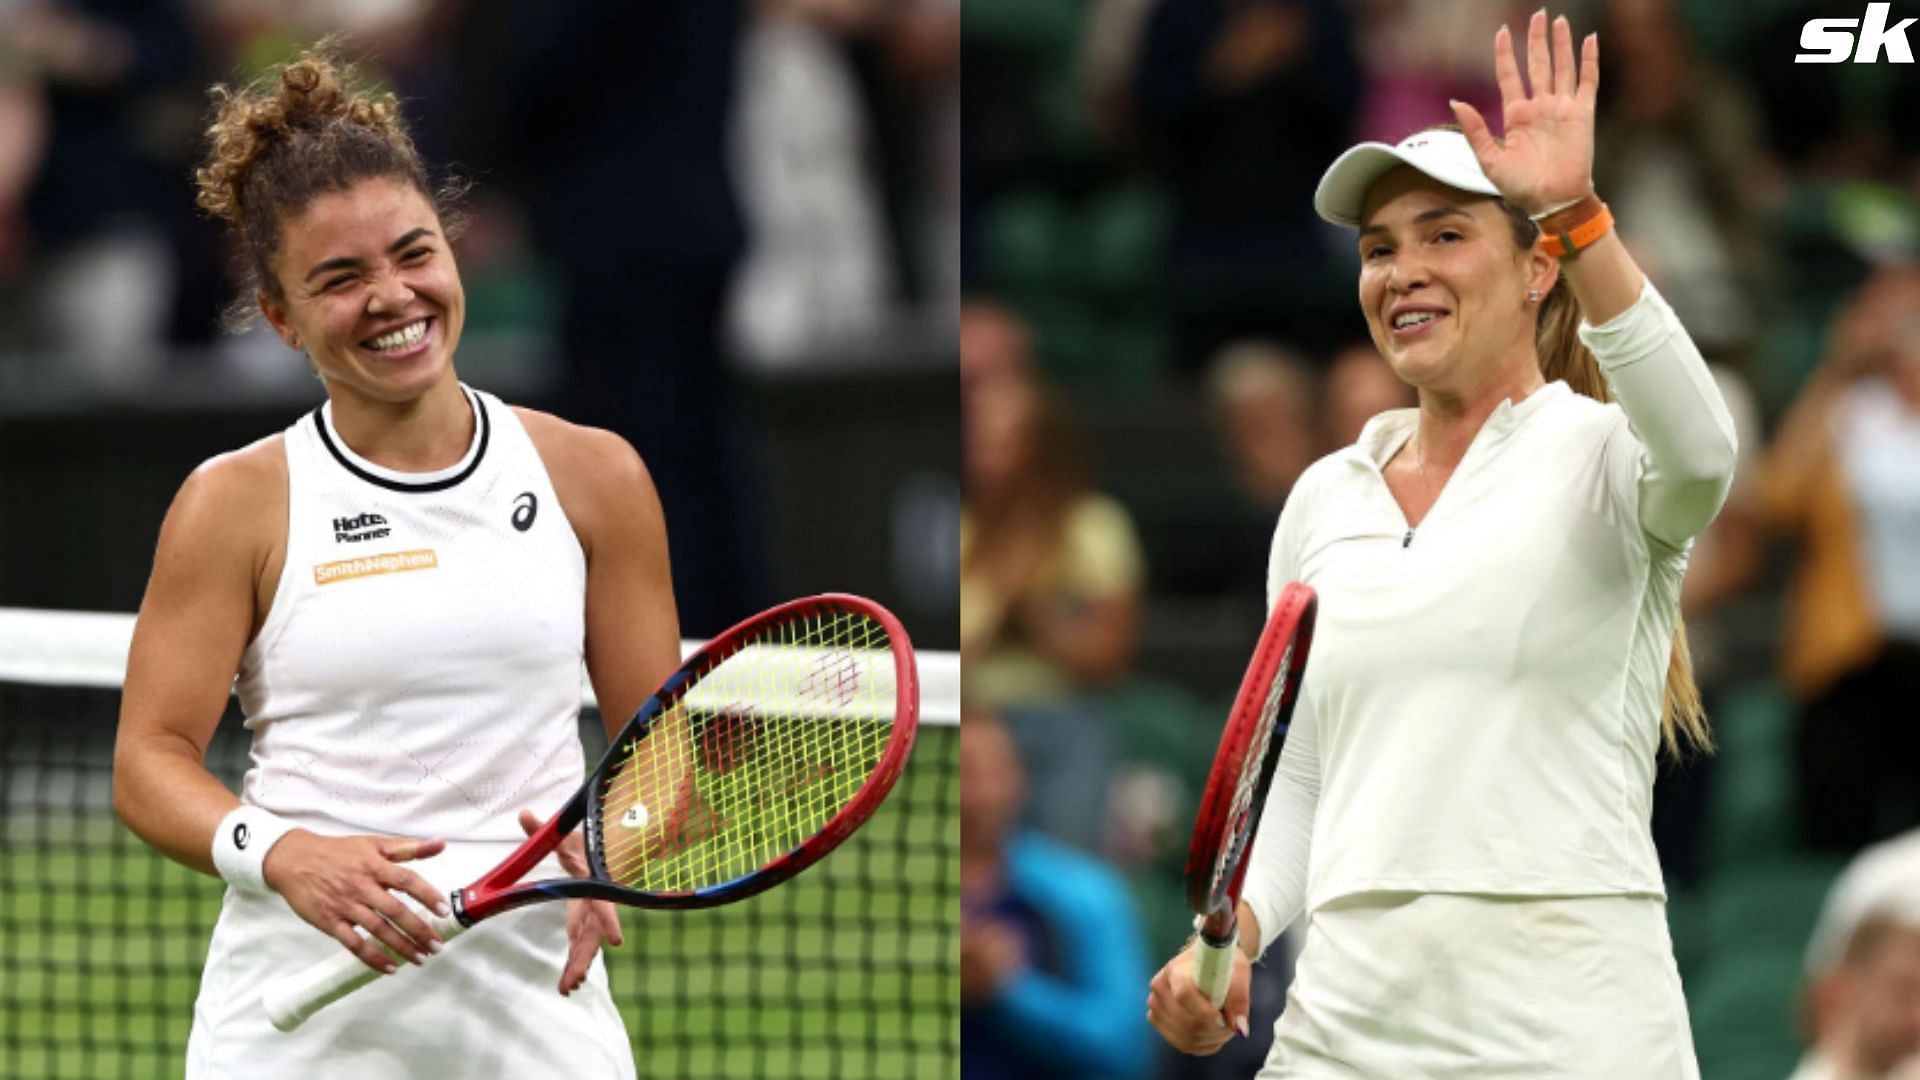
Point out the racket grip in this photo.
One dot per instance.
(291, 999)
(1213, 967)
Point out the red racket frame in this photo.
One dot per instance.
(499, 889)
(1217, 833)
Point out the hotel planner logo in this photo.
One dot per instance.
(354, 530)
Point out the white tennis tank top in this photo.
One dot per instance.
(419, 670)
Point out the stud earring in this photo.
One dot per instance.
(1533, 296)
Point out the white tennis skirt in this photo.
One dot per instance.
(1433, 986)
(486, 1006)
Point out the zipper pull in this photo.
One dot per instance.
(1408, 542)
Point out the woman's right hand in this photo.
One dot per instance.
(345, 884)
(1184, 1017)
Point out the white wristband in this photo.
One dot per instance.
(240, 847)
(1554, 209)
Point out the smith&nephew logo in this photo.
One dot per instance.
(353, 530)
(1832, 41)
(397, 562)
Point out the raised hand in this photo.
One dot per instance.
(1546, 158)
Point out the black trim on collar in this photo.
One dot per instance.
(479, 412)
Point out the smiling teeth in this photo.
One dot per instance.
(1413, 318)
(401, 338)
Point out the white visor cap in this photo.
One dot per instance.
(1444, 155)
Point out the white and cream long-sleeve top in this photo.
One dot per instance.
(1482, 704)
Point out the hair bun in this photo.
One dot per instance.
(300, 130)
(311, 90)
(310, 93)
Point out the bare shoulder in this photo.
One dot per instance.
(589, 455)
(226, 529)
(238, 494)
(598, 475)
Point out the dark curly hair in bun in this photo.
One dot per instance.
(300, 130)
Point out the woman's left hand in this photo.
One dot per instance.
(589, 922)
(1546, 159)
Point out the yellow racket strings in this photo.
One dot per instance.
(755, 757)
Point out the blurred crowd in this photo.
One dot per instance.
(662, 195)
(813, 144)
(1159, 336)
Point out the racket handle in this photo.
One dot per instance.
(1213, 966)
(291, 999)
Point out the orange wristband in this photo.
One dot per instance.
(1567, 232)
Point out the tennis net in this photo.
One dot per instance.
(848, 971)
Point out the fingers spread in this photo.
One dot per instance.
(573, 856)
(402, 849)
(1506, 69)
(410, 923)
(1539, 61)
(578, 961)
(394, 877)
(1589, 69)
(1563, 69)
(363, 947)
(609, 920)
(380, 916)
(1474, 127)
(376, 951)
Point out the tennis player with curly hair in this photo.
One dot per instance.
(401, 587)
(1462, 808)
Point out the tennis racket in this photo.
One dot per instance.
(765, 750)
(1237, 786)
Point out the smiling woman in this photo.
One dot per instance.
(1461, 809)
(345, 243)
(404, 630)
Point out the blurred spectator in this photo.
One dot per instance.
(619, 115)
(1050, 570)
(1264, 396)
(1863, 969)
(1840, 475)
(103, 211)
(906, 58)
(1071, 758)
(1051, 953)
(1242, 103)
(816, 273)
(23, 135)
(995, 345)
(1360, 385)
(1109, 43)
(1261, 403)
(1683, 167)
(1810, 113)
(1420, 53)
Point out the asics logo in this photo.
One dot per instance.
(524, 508)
